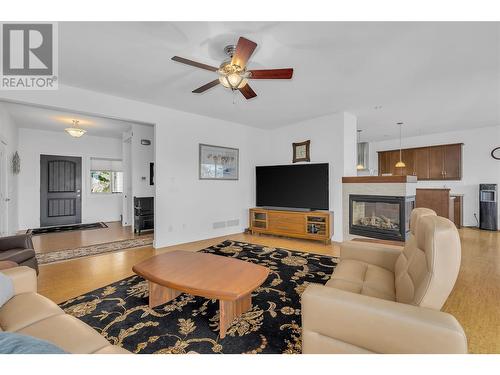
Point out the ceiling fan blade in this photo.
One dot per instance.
(272, 73)
(248, 92)
(209, 85)
(194, 63)
(244, 50)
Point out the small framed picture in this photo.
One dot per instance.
(218, 163)
(301, 151)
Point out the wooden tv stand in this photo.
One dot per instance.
(312, 225)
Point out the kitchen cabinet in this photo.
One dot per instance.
(442, 162)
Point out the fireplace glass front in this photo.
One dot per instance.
(379, 215)
(382, 217)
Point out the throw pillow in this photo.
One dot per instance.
(14, 343)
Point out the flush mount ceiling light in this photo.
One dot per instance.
(75, 131)
(233, 73)
(400, 163)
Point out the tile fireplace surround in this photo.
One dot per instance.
(400, 188)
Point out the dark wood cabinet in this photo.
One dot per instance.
(438, 200)
(452, 162)
(436, 163)
(394, 158)
(383, 163)
(443, 162)
(422, 163)
(457, 206)
(409, 160)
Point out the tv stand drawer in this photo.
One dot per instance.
(286, 222)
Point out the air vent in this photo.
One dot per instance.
(219, 224)
(233, 223)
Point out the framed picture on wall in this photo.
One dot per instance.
(301, 151)
(218, 163)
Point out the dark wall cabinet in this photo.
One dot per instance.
(443, 162)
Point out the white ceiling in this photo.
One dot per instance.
(432, 76)
(26, 116)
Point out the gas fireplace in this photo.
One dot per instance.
(383, 217)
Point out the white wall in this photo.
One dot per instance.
(186, 207)
(33, 143)
(333, 141)
(478, 165)
(9, 134)
(141, 156)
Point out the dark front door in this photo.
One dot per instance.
(60, 190)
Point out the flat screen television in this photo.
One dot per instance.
(302, 186)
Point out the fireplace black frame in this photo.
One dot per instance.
(384, 234)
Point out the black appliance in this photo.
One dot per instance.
(300, 186)
(488, 201)
(144, 214)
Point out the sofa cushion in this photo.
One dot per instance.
(68, 333)
(25, 309)
(17, 255)
(363, 278)
(6, 289)
(14, 343)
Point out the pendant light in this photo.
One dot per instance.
(400, 163)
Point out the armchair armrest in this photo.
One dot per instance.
(21, 241)
(378, 325)
(23, 278)
(377, 254)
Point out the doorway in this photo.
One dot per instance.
(60, 190)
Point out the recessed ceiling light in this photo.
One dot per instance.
(377, 107)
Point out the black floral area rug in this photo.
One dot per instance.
(189, 324)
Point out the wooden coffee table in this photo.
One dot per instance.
(229, 280)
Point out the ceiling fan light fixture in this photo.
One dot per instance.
(232, 76)
(233, 81)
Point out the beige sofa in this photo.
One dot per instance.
(32, 314)
(382, 299)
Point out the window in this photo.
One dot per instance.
(106, 182)
(106, 176)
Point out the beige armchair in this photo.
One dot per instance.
(385, 299)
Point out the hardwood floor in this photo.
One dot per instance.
(70, 240)
(475, 300)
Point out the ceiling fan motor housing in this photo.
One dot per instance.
(229, 50)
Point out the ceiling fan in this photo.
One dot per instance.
(233, 73)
